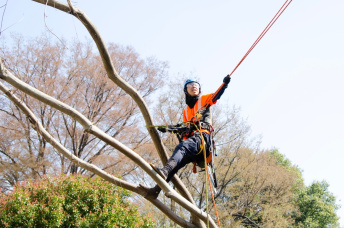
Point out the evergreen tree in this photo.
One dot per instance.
(317, 207)
(73, 201)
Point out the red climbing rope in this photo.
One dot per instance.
(274, 19)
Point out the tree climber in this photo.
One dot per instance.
(190, 149)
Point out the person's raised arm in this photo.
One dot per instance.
(221, 90)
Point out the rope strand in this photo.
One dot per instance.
(212, 196)
(207, 180)
(274, 19)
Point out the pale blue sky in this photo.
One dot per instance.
(290, 87)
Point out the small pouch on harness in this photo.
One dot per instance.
(201, 164)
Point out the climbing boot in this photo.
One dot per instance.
(165, 171)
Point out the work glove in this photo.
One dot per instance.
(162, 129)
(226, 79)
(178, 130)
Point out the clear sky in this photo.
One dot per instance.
(290, 88)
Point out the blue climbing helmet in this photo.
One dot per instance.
(190, 81)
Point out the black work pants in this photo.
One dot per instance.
(188, 151)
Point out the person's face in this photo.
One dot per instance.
(192, 89)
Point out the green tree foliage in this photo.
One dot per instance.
(317, 207)
(73, 201)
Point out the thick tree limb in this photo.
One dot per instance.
(89, 127)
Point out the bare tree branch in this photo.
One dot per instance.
(91, 128)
